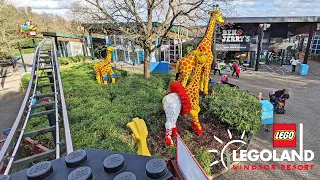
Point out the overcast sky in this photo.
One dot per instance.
(246, 8)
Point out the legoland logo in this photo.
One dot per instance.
(284, 135)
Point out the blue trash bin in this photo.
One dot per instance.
(304, 68)
(267, 112)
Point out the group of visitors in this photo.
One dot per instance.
(235, 66)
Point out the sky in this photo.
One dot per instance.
(244, 8)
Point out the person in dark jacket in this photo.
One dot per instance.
(284, 93)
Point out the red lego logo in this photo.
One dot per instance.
(284, 135)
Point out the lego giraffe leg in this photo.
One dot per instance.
(196, 126)
(184, 76)
(96, 68)
(202, 82)
(206, 78)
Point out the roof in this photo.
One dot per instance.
(306, 19)
(72, 36)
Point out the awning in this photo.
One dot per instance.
(281, 45)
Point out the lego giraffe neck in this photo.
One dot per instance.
(210, 29)
(109, 56)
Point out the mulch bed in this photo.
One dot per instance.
(210, 127)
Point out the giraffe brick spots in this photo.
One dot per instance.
(193, 89)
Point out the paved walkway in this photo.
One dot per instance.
(11, 96)
(302, 107)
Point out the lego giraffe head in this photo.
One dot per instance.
(200, 58)
(110, 48)
(217, 14)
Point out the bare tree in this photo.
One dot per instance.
(135, 18)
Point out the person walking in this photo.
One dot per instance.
(294, 63)
(238, 72)
(235, 66)
(216, 68)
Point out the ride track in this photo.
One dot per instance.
(45, 60)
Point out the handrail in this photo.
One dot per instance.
(19, 117)
(69, 146)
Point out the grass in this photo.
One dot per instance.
(98, 114)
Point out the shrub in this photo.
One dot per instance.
(239, 109)
(25, 81)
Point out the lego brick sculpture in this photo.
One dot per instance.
(140, 133)
(186, 64)
(182, 100)
(104, 68)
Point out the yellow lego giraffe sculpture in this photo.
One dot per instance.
(182, 100)
(104, 68)
(193, 90)
(206, 47)
(185, 65)
(140, 133)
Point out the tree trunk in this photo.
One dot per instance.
(146, 63)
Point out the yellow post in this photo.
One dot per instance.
(113, 80)
(140, 133)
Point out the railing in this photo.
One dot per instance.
(45, 61)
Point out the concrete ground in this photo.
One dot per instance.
(11, 96)
(302, 107)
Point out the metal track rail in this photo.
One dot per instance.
(45, 61)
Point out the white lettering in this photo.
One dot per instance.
(295, 154)
(268, 158)
(234, 156)
(274, 154)
(234, 32)
(254, 157)
(285, 155)
(233, 38)
(238, 39)
(306, 158)
(228, 38)
(224, 32)
(247, 38)
(267, 155)
(243, 154)
(224, 39)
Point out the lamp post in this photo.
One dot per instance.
(261, 29)
(306, 55)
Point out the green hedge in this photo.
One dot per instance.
(73, 59)
(239, 109)
(25, 81)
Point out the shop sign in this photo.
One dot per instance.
(234, 35)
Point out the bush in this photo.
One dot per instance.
(25, 81)
(239, 109)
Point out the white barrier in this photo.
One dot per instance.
(188, 165)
